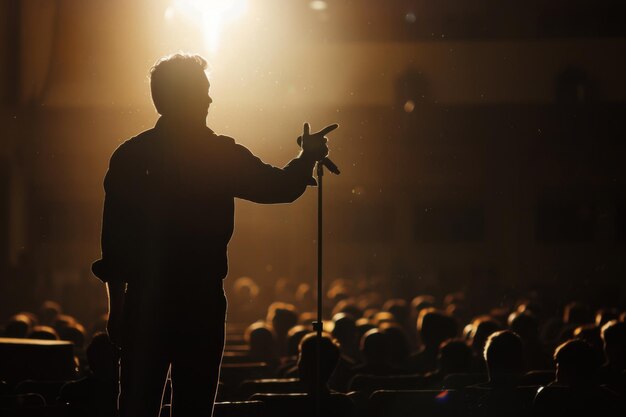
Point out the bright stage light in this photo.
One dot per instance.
(318, 5)
(210, 16)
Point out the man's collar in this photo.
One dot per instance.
(167, 124)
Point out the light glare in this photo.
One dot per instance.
(318, 5)
(211, 16)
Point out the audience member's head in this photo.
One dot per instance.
(307, 358)
(245, 289)
(49, 312)
(370, 304)
(74, 333)
(576, 363)
(435, 327)
(305, 297)
(483, 327)
(459, 311)
(375, 347)
(294, 337)
(348, 306)
(363, 325)
(457, 297)
(19, 326)
(102, 357)
(370, 313)
(454, 357)
(532, 307)
(421, 302)
(63, 320)
(576, 313)
(399, 309)
(525, 324)
(43, 333)
(591, 334)
(345, 330)
(614, 338)
(282, 316)
(382, 317)
(504, 356)
(261, 340)
(339, 290)
(605, 315)
(398, 341)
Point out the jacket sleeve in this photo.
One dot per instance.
(118, 225)
(257, 181)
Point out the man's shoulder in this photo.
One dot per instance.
(224, 139)
(134, 147)
(134, 143)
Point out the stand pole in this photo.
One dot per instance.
(318, 325)
(320, 176)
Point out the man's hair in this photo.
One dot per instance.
(504, 353)
(174, 79)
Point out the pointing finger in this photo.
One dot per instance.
(306, 130)
(328, 129)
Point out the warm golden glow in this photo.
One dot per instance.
(318, 5)
(210, 16)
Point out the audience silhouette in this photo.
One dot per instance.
(511, 376)
(576, 390)
(95, 394)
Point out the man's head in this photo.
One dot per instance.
(180, 87)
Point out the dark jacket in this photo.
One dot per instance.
(169, 204)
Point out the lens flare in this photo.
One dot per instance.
(210, 16)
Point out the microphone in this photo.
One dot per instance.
(330, 165)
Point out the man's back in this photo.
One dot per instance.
(169, 204)
(170, 201)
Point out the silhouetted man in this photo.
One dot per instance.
(168, 217)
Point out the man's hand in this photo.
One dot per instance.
(116, 293)
(314, 144)
(114, 328)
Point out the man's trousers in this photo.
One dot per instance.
(184, 329)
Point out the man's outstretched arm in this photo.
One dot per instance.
(263, 183)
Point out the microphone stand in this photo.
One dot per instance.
(318, 325)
